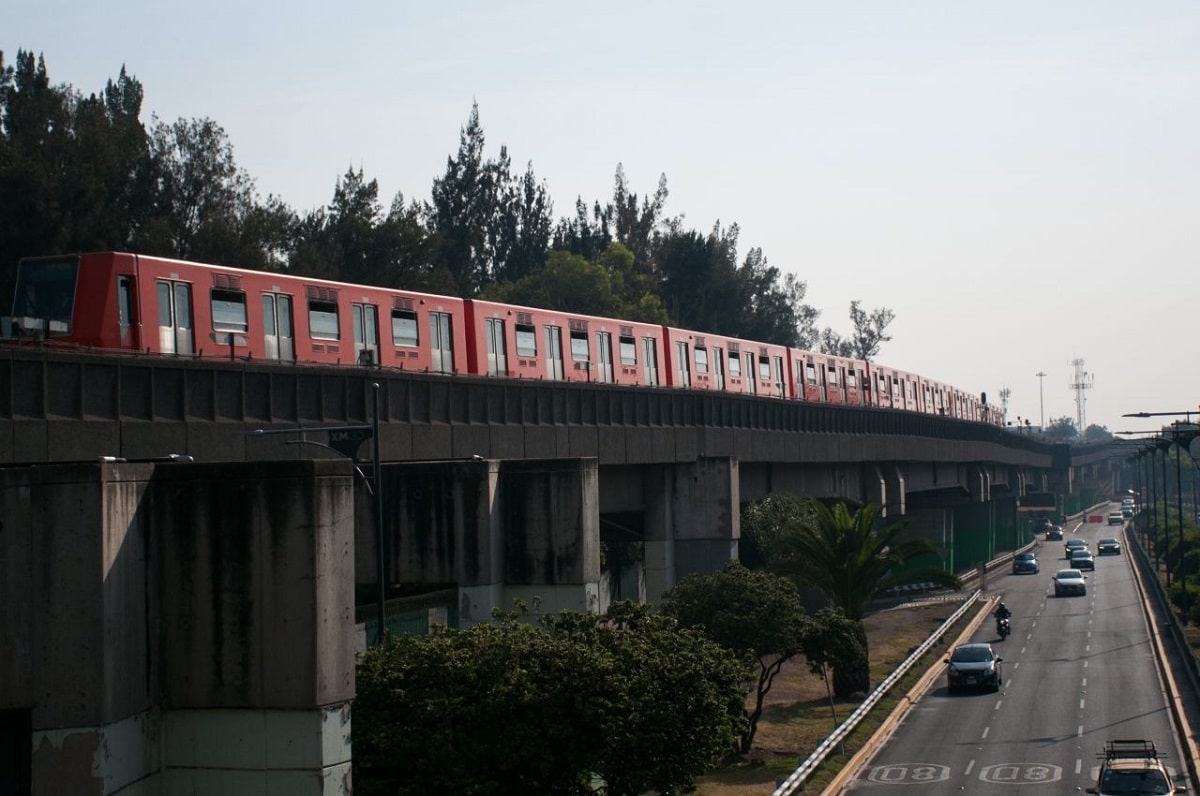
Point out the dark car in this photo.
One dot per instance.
(974, 666)
(1025, 562)
(1108, 546)
(1054, 533)
(1082, 559)
(1072, 545)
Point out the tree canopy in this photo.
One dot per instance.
(629, 700)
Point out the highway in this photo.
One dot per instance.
(1077, 671)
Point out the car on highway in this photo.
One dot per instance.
(1116, 518)
(1072, 545)
(1054, 533)
(1025, 562)
(1108, 546)
(1082, 559)
(1069, 581)
(1133, 767)
(1127, 512)
(974, 666)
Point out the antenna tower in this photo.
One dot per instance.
(1081, 382)
(1005, 393)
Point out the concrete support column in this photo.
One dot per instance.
(181, 628)
(706, 506)
(257, 603)
(936, 525)
(659, 531)
(974, 541)
(551, 511)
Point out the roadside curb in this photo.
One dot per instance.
(904, 705)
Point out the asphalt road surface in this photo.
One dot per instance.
(1077, 671)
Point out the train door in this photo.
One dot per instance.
(277, 327)
(554, 353)
(366, 333)
(777, 365)
(822, 383)
(751, 373)
(718, 363)
(650, 361)
(175, 331)
(497, 356)
(441, 342)
(841, 381)
(683, 373)
(604, 363)
(125, 305)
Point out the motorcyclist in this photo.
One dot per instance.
(1001, 613)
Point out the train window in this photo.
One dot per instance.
(764, 368)
(228, 310)
(851, 379)
(579, 346)
(810, 373)
(701, 360)
(323, 319)
(628, 351)
(404, 328)
(833, 376)
(124, 301)
(526, 340)
(735, 363)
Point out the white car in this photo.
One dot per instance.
(1116, 518)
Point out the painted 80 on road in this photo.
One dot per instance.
(999, 774)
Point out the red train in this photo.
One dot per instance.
(129, 302)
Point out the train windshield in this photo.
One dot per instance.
(44, 297)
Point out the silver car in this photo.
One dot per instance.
(1069, 581)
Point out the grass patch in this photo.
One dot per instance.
(798, 716)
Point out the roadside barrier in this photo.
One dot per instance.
(795, 781)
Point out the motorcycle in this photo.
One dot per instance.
(1002, 627)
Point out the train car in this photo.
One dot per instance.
(112, 301)
(529, 343)
(825, 378)
(700, 361)
(156, 305)
(892, 388)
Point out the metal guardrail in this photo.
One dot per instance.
(798, 777)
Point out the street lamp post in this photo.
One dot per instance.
(1182, 436)
(1042, 396)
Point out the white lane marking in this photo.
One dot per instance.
(1081, 703)
(998, 704)
(970, 766)
(1085, 664)
(1085, 682)
(986, 730)
(1078, 765)
(1079, 732)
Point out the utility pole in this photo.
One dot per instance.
(1041, 374)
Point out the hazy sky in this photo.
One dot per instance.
(1019, 182)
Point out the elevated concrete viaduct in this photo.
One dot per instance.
(182, 627)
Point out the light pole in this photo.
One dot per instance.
(1041, 374)
(1183, 436)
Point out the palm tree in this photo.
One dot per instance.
(851, 559)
